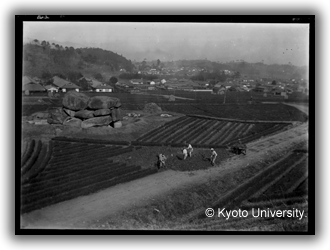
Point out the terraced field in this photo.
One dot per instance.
(202, 132)
(75, 169)
(283, 184)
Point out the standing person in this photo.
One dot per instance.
(185, 153)
(190, 150)
(213, 156)
(161, 161)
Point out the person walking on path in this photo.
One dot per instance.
(190, 150)
(213, 156)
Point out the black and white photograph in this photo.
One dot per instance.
(177, 127)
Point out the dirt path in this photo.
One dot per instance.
(77, 212)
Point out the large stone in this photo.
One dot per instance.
(69, 112)
(103, 102)
(96, 121)
(56, 116)
(72, 122)
(75, 101)
(116, 114)
(84, 114)
(102, 112)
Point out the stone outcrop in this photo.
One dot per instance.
(72, 122)
(103, 102)
(102, 112)
(81, 111)
(56, 116)
(96, 121)
(84, 114)
(75, 101)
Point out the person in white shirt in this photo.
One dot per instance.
(161, 161)
(213, 156)
(185, 153)
(190, 150)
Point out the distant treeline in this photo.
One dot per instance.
(43, 60)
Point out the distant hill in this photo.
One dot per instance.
(42, 59)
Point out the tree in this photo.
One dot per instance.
(113, 80)
(46, 75)
(98, 76)
(274, 82)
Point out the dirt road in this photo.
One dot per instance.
(77, 212)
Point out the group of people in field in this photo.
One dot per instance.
(186, 152)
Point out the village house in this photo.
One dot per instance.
(103, 88)
(51, 88)
(29, 85)
(64, 85)
(136, 81)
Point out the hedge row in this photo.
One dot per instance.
(28, 152)
(29, 163)
(86, 190)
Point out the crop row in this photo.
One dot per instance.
(32, 159)
(206, 133)
(288, 180)
(56, 185)
(67, 159)
(69, 175)
(163, 127)
(85, 190)
(28, 152)
(80, 152)
(173, 132)
(93, 141)
(252, 186)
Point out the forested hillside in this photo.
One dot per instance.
(44, 60)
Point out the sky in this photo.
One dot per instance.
(270, 43)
